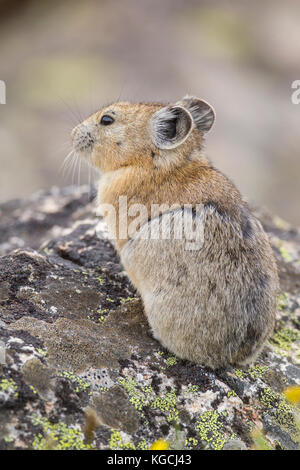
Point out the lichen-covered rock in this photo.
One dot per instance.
(80, 369)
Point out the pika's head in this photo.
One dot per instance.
(150, 135)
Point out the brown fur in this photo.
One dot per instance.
(221, 309)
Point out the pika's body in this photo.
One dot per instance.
(212, 301)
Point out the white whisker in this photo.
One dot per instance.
(79, 170)
(75, 160)
(72, 168)
(66, 162)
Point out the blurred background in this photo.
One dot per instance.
(63, 59)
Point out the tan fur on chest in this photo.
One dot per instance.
(194, 183)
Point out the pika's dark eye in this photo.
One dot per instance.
(106, 120)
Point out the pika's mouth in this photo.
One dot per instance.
(82, 139)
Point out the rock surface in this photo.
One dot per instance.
(79, 367)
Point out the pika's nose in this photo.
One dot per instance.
(82, 138)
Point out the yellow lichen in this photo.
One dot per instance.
(116, 443)
(80, 384)
(143, 397)
(9, 385)
(211, 430)
(284, 338)
(58, 436)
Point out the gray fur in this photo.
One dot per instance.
(215, 305)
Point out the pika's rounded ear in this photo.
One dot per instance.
(171, 126)
(203, 113)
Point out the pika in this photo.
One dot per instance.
(214, 304)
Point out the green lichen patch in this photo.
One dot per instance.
(33, 389)
(42, 352)
(240, 374)
(191, 442)
(211, 430)
(80, 384)
(167, 404)
(145, 396)
(147, 389)
(282, 411)
(9, 386)
(58, 436)
(100, 280)
(169, 361)
(285, 415)
(254, 372)
(285, 337)
(193, 388)
(283, 300)
(286, 255)
(126, 300)
(281, 223)
(117, 443)
(269, 398)
(103, 312)
(136, 397)
(257, 371)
